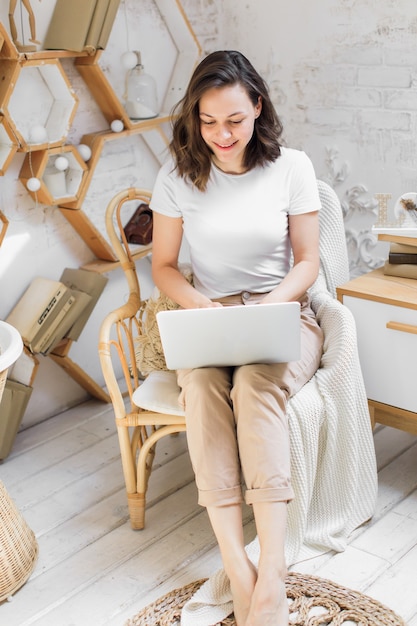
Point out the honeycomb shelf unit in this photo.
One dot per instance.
(38, 102)
(36, 93)
(37, 109)
(75, 212)
(57, 185)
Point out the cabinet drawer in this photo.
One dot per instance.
(387, 343)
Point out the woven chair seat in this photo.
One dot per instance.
(159, 392)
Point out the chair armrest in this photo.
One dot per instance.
(118, 333)
(339, 328)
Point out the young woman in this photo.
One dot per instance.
(243, 203)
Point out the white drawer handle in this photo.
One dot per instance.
(405, 328)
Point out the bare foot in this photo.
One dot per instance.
(269, 605)
(242, 584)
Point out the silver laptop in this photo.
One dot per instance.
(230, 335)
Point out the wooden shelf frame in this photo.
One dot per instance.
(152, 131)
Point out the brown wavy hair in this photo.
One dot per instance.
(191, 154)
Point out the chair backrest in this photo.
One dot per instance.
(334, 264)
(115, 231)
(121, 327)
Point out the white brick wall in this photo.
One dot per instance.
(345, 76)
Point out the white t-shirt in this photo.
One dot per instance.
(237, 230)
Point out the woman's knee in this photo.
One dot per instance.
(259, 377)
(204, 384)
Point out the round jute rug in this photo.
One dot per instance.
(313, 601)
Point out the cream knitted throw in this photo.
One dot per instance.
(333, 461)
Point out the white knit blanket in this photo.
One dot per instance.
(333, 461)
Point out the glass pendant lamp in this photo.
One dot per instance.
(141, 103)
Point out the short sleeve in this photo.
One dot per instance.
(304, 194)
(164, 193)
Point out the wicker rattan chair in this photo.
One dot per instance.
(329, 420)
(139, 429)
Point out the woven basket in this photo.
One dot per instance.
(18, 547)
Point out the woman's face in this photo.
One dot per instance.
(227, 119)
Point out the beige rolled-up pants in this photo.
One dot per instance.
(236, 420)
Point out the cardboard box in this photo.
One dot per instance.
(81, 24)
(12, 408)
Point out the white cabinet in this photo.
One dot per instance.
(385, 312)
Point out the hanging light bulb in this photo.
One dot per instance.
(129, 60)
(84, 151)
(61, 163)
(117, 126)
(33, 184)
(141, 103)
(38, 134)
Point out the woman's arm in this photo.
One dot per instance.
(166, 243)
(304, 237)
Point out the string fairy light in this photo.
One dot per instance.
(129, 58)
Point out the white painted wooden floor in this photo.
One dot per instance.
(93, 570)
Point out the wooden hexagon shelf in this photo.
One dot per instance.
(90, 227)
(8, 145)
(188, 51)
(152, 130)
(57, 185)
(37, 108)
(38, 101)
(4, 222)
(7, 48)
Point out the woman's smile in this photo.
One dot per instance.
(227, 119)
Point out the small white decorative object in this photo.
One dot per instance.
(405, 209)
(55, 180)
(117, 126)
(38, 134)
(405, 215)
(33, 184)
(129, 60)
(61, 163)
(84, 151)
